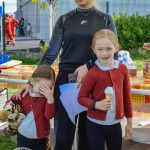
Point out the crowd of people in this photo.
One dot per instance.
(11, 25)
(89, 43)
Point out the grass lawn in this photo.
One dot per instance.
(139, 56)
(7, 143)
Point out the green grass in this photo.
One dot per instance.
(139, 55)
(7, 143)
(12, 92)
(139, 64)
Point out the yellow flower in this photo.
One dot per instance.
(43, 48)
(43, 5)
(35, 1)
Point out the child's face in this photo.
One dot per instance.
(37, 83)
(104, 50)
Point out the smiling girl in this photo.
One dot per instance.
(104, 114)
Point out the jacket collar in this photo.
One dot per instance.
(100, 66)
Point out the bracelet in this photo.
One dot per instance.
(93, 105)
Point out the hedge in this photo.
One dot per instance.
(133, 30)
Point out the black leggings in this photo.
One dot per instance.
(99, 134)
(33, 144)
(65, 127)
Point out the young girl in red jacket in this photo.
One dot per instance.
(38, 106)
(105, 91)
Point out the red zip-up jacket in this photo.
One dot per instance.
(13, 23)
(95, 83)
(42, 111)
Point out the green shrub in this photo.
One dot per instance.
(25, 60)
(133, 30)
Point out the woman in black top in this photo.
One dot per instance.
(73, 33)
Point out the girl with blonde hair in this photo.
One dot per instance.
(105, 91)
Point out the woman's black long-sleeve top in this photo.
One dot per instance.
(73, 33)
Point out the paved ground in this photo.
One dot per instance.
(22, 43)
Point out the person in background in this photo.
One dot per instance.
(38, 106)
(105, 91)
(13, 23)
(73, 33)
(21, 26)
(29, 30)
(8, 32)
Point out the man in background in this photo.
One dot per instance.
(21, 26)
(8, 32)
(14, 23)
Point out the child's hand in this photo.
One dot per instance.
(48, 93)
(104, 104)
(128, 132)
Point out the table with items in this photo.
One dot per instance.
(140, 94)
(16, 76)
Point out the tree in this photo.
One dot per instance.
(44, 5)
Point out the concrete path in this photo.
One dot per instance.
(23, 43)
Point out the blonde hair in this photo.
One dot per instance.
(105, 33)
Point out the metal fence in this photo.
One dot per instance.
(108, 6)
(40, 22)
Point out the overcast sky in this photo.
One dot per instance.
(10, 5)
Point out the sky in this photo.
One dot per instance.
(10, 5)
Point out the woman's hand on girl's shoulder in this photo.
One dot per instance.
(81, 72)
(24, 88)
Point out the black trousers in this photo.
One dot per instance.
(33, 144)
(65, 128)
(99, 134)
(21, 31)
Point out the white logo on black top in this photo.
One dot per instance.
(84, 22)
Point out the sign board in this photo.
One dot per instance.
(1, 11)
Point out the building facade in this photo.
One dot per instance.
(40, 22)
(31, 14)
